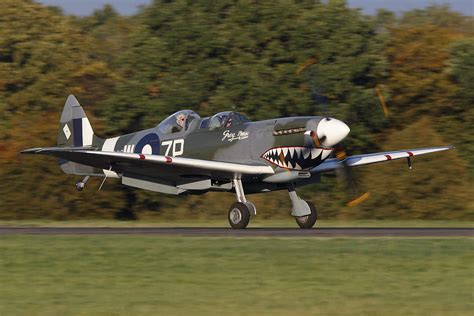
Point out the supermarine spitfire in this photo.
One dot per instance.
(187, 154)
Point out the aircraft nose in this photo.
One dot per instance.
(331, 131)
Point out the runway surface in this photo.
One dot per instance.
(249, 232)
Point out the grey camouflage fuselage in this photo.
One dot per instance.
(281, 143)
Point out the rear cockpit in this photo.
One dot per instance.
(178, 122)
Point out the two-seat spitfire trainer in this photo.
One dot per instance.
(187, 154)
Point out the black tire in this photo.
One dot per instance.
(308, 221)
(239, 215)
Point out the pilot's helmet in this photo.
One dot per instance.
(216, 122)
(181, 120)
(229, 122)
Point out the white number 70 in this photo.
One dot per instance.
(176, 147)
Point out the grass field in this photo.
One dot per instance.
(147, 275)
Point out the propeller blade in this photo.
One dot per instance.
(382, 101)
(351, 186)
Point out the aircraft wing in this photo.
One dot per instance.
(153, 165)
(360, 160)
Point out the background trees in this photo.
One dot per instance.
(44, 57)
(131, 72)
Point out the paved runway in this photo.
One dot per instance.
(249, 232)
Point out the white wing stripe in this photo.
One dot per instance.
(190, 162)
(109, 144)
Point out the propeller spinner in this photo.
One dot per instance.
(329, 133)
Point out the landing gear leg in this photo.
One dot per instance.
(239, 212)
(303, 211)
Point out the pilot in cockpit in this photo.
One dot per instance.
(180, 123)
(228, 124)
(220, 120)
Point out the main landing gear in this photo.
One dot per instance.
(303, 211)
(239, 212)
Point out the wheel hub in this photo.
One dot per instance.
(235, 216)
(302, 219)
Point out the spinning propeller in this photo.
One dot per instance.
(346, 176)
(331, 132)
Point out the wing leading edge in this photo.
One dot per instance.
(105, 159)
(360, 160)
(179, 165)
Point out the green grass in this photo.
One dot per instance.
(222, 222)
(147, 275)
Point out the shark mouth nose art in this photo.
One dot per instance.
(297, 158)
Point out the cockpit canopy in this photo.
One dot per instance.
(226, 119)
(181, 121)
(178, 122)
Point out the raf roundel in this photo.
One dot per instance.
(148, 145)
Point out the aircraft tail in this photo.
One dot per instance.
(75, 130)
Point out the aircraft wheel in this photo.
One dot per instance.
(307, 221)
(239, 215)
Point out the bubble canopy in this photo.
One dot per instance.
(227, 119)
(178, 122)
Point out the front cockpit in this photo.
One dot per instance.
(226, 120)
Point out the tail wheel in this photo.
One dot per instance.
(307, 221)
(239, 215)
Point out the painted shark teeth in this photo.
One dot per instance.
(315, 152)
(306, 153)
(295, 158)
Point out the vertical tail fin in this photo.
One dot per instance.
(75, 130)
